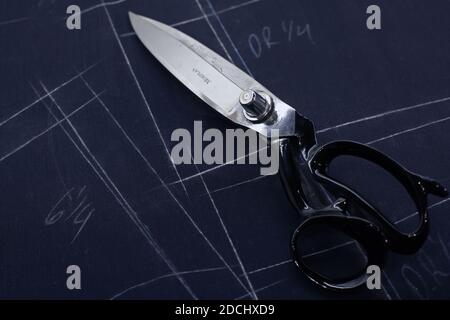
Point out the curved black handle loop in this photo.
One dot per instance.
(368, 235)
(310, 199)
(303, 171)
(418, 188)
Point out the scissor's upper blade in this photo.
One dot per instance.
(212, 78)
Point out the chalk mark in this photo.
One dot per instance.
(45, 96)
(6, 22)
(228, 37)
(141, 92)
(230, 241)
(47, 130)
(214, 31)
(164, 276)
(104, 177)
(383, 114)
(261, 289)
(209, 15)
(174, 198)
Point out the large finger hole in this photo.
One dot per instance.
(380, 188)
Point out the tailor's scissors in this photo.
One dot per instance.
(304, 165)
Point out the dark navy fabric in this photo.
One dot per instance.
(96, 143)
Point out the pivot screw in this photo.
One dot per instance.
(257, 105)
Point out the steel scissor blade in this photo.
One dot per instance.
(212, 78)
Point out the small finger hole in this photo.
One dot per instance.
(330, 253)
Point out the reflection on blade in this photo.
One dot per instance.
(212, 78)
(236, 75)
(196, 73)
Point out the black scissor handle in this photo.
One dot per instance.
(303, 172)
(366, 234)
(418, 188)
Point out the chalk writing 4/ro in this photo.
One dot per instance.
(287, 32)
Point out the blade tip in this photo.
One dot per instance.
(134, 20)
(131, 15)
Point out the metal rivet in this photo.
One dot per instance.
(257, 105)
